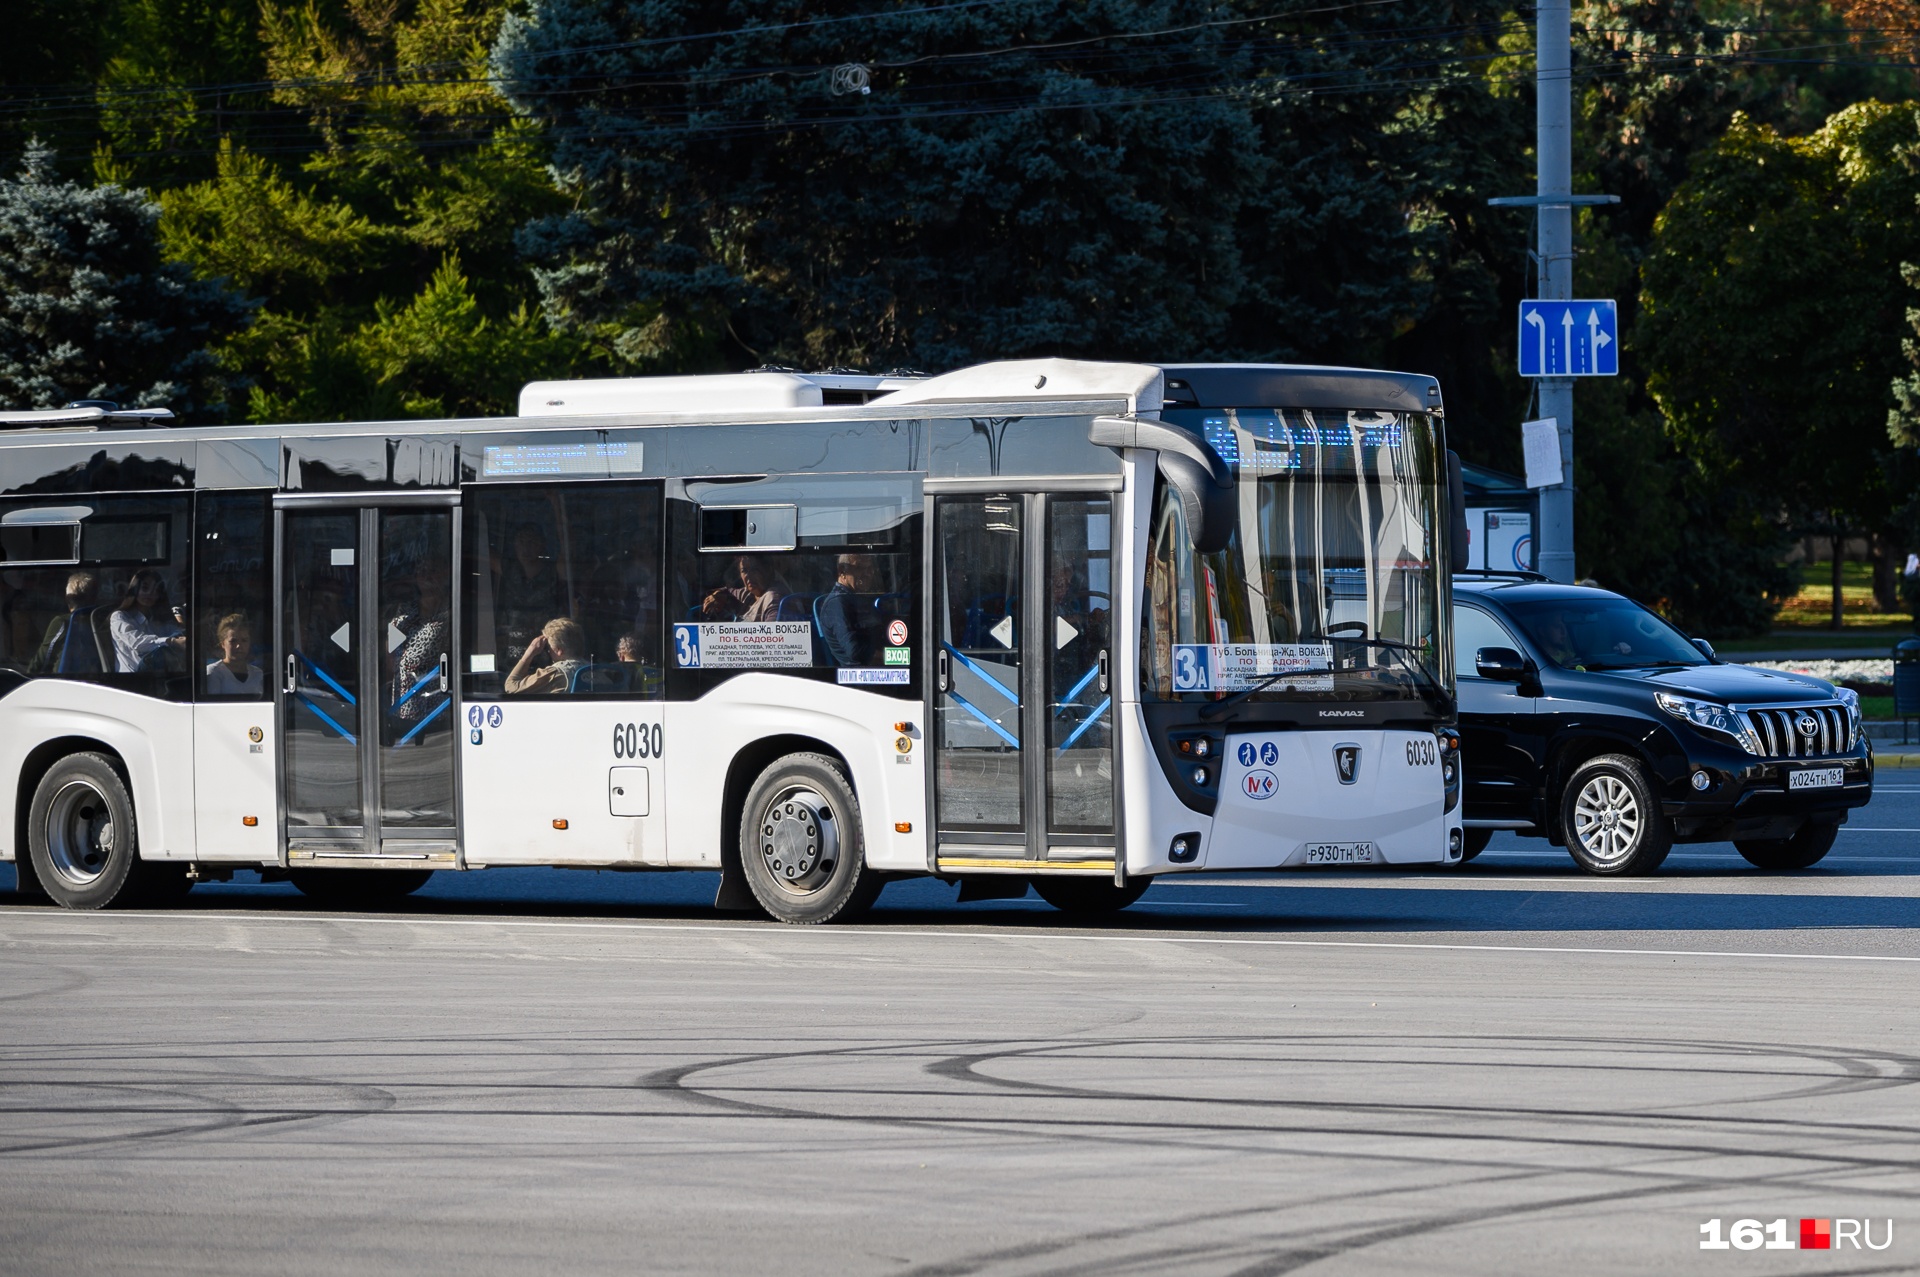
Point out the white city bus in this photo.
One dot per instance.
(1054, 623)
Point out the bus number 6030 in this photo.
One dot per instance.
(638, 740)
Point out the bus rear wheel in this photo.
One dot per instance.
(801, 850)
(81, 836)
(1089, 896)
(345, 888)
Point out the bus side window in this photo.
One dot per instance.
(95, 588)
(815, 576)
(561, 591)
(232, 614)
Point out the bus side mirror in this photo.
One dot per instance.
(1459, 549)
(1195, 472)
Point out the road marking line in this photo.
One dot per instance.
(799, 933)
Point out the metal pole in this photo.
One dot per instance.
(1553, 77)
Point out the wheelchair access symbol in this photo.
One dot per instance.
(1259, 785)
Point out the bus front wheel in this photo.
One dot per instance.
(82, 838)
(800, 846)
(1089, 895)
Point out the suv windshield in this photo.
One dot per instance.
(1605, 632)
(1330, 588)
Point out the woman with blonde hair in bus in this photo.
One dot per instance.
(143, 626)
(563, 645)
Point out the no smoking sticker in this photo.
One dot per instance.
(896, 632)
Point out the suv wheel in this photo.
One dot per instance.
(1611, 818)
(1802, 851)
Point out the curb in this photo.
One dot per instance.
(1896, 760)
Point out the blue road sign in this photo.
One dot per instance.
(1569, 339)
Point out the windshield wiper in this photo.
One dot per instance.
(1217, 708)
(1421, 673)
(1408, 655)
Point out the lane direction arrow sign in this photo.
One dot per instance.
(1569, 339)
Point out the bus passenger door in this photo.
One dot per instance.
(1022, 700)
(365, 684)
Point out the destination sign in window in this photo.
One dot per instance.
(546, 460)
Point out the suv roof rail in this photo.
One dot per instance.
(1517, 574)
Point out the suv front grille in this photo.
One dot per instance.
(1778, 731)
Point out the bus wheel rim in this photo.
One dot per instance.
(799, 840)
(80, 833)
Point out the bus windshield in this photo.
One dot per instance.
(1330, 586)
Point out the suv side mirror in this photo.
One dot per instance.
(1501, 665)
(1706, 650)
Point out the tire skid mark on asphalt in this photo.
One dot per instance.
(72, 980)
(678, 1078)
(1295, 1256)
(205, 1093)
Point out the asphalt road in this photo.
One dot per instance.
(1504, 1069)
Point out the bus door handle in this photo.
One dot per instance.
(945, 675)
(293, 673)
(1103, 670)
(446, 682)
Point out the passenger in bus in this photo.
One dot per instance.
(427, 627)
(234, 674)
(847, 618)
(83, 589)
(756, 598)
(627, 650)
(144, 628)
(550, 661)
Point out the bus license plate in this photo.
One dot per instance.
(1817, 778)
(1340, 853)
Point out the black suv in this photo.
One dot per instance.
(1590, 721)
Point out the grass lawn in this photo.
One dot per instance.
(1812, 608)
(1869, 642)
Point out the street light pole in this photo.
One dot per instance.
(1553, 83)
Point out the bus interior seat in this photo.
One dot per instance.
(613, 676)
(102, 627)
(796, 607)
(983, 614)
(82, 657)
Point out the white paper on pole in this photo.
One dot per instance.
(1541, 439)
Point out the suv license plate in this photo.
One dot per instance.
(1340, 853)
(1817, 778)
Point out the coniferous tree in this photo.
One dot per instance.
(89, 309)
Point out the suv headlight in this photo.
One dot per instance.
(1715, 718)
